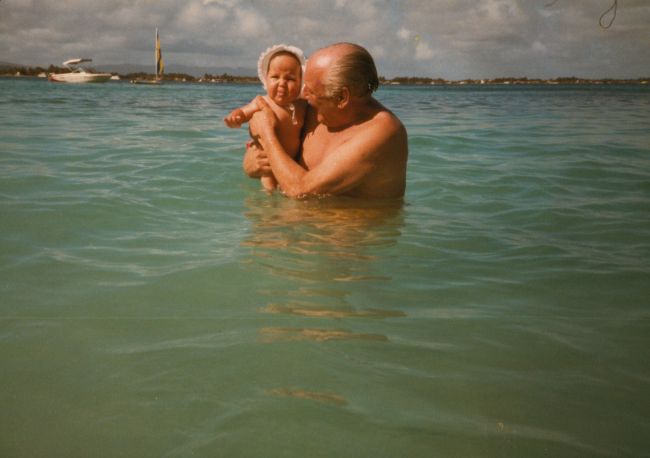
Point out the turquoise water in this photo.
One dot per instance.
(154, 302)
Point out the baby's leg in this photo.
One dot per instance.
(269, 182)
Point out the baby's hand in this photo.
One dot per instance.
(235, 119)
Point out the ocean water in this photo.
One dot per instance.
(154, 302)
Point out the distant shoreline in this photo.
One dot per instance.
(400, 81)
(39, 72)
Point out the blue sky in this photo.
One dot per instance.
(451, 39)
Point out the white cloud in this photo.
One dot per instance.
(196, 15)
(362, 9)
(307, 25)
(404, 34)
(423, 51)
(539, 47)
(502, 10)
(377, 52)
(251, 23)
(224, 3)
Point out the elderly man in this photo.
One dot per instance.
(352, 145)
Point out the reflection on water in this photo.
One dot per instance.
(269, 335)
(312, 395)
(337, 227)
(322, 250)
(326, 313)
(315, 261)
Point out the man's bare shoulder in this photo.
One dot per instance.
(385, 115)
(385, 125)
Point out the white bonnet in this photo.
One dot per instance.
(265, 58)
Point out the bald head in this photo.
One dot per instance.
(346, 65)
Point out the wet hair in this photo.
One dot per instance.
(355, 70)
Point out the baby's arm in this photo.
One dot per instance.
(238, 116)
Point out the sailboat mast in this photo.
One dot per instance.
(155, 54)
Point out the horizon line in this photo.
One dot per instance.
(253, 75)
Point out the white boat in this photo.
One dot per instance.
(159, 64)
(78, 74)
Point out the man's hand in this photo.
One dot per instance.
(264, 122)
(256, 163)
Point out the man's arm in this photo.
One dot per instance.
(341, 171)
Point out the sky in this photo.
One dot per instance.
(451, 39)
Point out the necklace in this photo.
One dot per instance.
(292, 109)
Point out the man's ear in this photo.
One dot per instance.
(344, 98)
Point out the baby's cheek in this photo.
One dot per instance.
(295, 90)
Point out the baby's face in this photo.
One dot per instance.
(283, 80)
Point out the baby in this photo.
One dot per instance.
(280, 68)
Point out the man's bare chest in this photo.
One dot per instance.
(321, 143)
